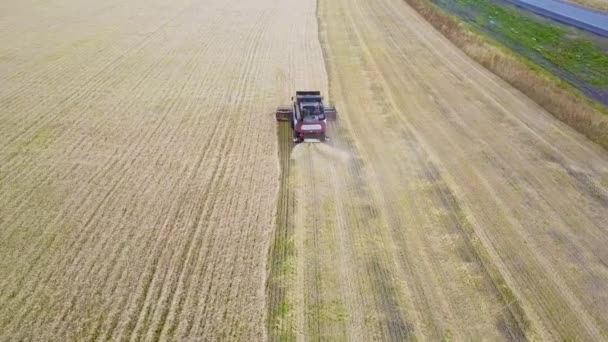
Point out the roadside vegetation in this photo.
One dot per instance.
(578, 57)
(597, 4)
(565, 73)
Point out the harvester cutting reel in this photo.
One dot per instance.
(284, 113)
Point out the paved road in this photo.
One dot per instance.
(584, 18)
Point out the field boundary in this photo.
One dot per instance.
(282, 251)
(556, 96)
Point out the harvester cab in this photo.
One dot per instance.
(308, 116)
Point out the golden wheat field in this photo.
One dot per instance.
(138, 163)
(147, 192)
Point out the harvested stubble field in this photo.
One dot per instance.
(447, 205)
(140, 178)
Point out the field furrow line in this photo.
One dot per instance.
(421, 80)
(392, 322)
(558, 283)
(132, 152)
(430, 169)
(223, 140)
(281, 253)
(170, 143)
(79, 243)
(416, 289)
(142, 80)
(107, 70)
(163, 207)
(108, 11)
(143, 312)
(22, 201)
(175, 207)
(148, 137)
(241, 107)
(66, 134)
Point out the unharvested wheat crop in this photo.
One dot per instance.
(138, 169)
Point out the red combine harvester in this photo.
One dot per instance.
(308, 116)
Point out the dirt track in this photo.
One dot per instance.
(138, 169)
(448, 204)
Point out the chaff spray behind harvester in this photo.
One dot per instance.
(308, 116)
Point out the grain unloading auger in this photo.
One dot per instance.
(308, 116)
